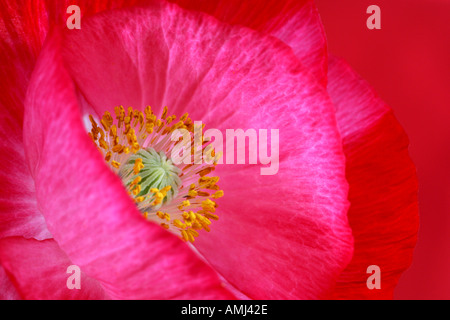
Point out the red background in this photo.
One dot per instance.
(408, 63)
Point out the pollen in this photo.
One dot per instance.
(137, 146)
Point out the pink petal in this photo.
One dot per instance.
(190, 62)
(284, 236)
(296, 22)
(23, 28)
(19, 214)
(25, 32)
(39, 270)
(87, 208)
(8, 291)
(383, 186)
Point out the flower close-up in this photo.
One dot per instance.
(191, 149)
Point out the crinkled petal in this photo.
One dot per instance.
(40, 271)
(383, 186)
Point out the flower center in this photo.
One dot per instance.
(136, 145)
(158, 172)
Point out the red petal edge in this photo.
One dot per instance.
(383, 187)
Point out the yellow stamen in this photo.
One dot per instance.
(115, 164)
(178, 197)
(138, 165)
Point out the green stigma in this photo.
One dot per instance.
(158, 171)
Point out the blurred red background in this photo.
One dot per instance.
(408, 63)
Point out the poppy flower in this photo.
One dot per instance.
(87, 180)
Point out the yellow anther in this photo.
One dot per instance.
(115, 164)
(190, 236)
(184, 116)
(163, 215)
(193, 232)
(136, 147)
(208, 180)
(189, 216)
(149, 127)
(120, 114)
(184, 235)
(165, 190)
(192, 193)
(186, 215)
(154, 190)
(205, 223)
(164, 113)
(197, 226)
(137, 190)
(211, 216)
(117, 148)
(113, 131)
(158, 198)
(177, 223)
(103, 143)
(138, 165)
(218, 194)
(160, 214)
(205, 171)
(106, 121)
(203, 220)
(183, 204)
(115, 141)
(209, 206)
(170, 119)
(206, 227)
(136, 180)
(139, 199)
